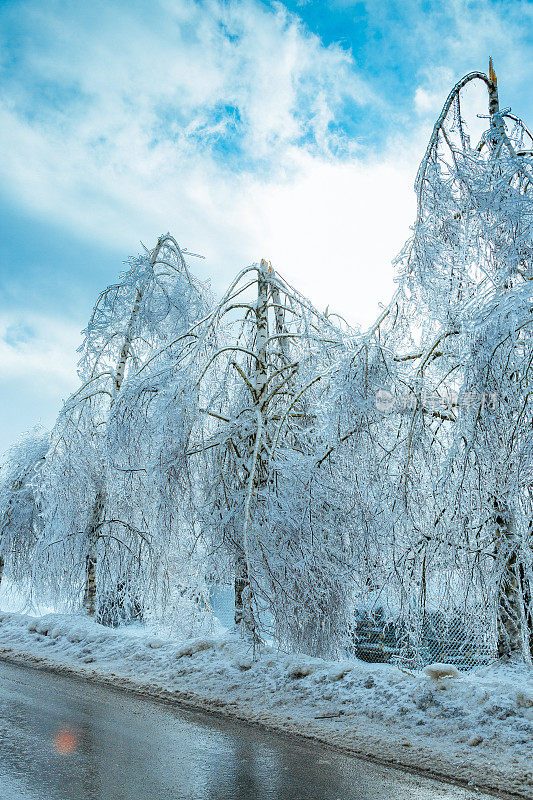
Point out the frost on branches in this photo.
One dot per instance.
(467, 270)
(92, 522)
(263, 395)
(20, 519)
(340, 480)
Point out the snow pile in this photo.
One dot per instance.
(475, 726)
(437, 671)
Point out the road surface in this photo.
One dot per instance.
(64, 739)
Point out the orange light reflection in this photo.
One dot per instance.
(65, 741)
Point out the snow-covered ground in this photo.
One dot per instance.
(475, 726)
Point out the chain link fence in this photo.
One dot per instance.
(464, 640)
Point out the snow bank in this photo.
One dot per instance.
(475, 726)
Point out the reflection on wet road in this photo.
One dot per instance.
(64, 739)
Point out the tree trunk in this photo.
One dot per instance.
(513, 614)
(526, 586)
(256, 451)
(241, 584)
(89, 598)
(1, 569)
(494, 103)
(125, 352)
(126, 347)
(261, 332)
(91, 559)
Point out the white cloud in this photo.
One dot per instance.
(37, 371)
(38, 348)
(435, 84)
(334, 231)
(144, 147)
(213, 120)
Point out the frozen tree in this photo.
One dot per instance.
(220, 434)
(438, 502)
(20, 521)
(369, 449)
(489, 470)
(260, 402)
(148, 430)
(85, 522)
(467, 271)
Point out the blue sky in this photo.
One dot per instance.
(290, 131)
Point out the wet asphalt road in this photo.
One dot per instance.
(64, 739)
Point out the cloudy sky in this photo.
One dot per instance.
(290, 131)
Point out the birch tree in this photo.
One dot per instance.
(259, 401)
(467, 269)
(130, 321)
(20, 522)
(437, 473)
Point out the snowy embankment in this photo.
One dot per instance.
(475, 727)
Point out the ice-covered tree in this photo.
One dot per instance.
(260, 395)
(88, 517)
(436, 468)
(467, 271)
(148, 431)
(20, 522)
